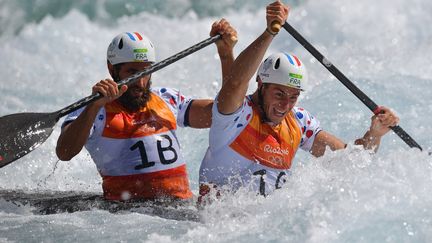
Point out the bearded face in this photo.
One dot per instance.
(138, 93)
(135, 97)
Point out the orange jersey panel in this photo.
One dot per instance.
(172, 183)
(273, 147)
(155, 117)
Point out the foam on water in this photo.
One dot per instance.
(345, 196)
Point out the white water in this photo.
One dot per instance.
(348, 196)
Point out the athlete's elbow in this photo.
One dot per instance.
(64, 154)
(64, 157)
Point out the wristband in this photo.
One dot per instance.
(271, 33)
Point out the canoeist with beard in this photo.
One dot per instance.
(130, 133)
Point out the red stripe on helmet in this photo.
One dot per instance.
(297, 60)
(138, 35)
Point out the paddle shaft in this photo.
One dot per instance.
(23, 132)
(345, 81)
(153, 68)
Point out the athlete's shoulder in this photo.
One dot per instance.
(301, 112)
(169, 95)
(165, 91)
(306, 120)
(303, 116)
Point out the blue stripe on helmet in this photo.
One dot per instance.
(131, 36)
(289, 59)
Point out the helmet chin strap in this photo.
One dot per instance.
(264, 117)
(115, 72)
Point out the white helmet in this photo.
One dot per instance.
(284, 69)
(130, 47)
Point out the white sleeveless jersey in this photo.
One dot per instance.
(140, 146)
(244, 152)
(161, 150)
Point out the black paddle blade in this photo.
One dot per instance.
(23, 132)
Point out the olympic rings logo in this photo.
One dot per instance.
(276, 159)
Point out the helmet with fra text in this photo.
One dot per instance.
(284, 69)
(131, 47)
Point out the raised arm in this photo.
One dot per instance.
(234, 86)
(200, 110)
(225, 46)
(75, 134)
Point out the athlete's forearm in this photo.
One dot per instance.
(323, 140)
(227, 61)
(248, 61)
(75, 134)
(235, 84)
(200, 113)
(369, 141)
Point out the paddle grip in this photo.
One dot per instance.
(275, 27)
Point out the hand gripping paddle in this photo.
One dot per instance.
(21, 133)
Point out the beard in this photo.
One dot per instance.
(134, 103)
(129, 101)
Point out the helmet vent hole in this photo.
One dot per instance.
(277, 63)
(120, 45)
